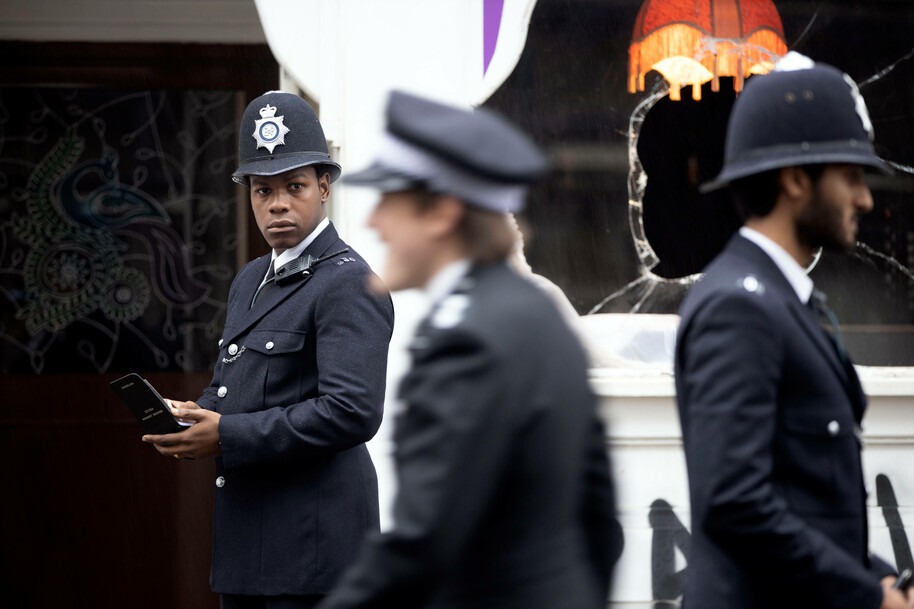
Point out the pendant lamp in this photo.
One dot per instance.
(693, 41)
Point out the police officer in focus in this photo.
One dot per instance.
(769, 402)
(299, 384)
(504, 497)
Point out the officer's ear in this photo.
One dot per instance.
(445, 214)
(323, 183)
(794, 183)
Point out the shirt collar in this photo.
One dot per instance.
(292, 253)
(794, 273)
(445, 280)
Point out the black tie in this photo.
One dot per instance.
(266, 285)
(818, 303)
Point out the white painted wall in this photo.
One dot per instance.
(645, 444)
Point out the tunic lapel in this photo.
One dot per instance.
(249, 284)
(823, 343)
(279, 293)
(806, 319)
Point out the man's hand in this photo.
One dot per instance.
(895, 599)
(176, 405)
(198, 441)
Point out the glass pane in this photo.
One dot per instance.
(118, 231)
(618, 240)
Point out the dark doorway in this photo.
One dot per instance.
(120, 232)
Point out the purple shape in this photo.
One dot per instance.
(491, 22)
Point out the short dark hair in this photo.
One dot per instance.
(754, 196)
(320, 170)
(487, 236)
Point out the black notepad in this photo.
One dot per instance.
(146, 405)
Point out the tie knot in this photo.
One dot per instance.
(818, 301)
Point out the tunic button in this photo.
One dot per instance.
(233, 349)
(269, 345)
(220, 342)
(833, 428)
(222, 391)
(750, 284)
(220, 481)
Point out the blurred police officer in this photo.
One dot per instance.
(299, 385)
(504, 498)
(769, 402)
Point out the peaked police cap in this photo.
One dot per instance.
(474, 154)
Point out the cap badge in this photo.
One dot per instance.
(451, 311)
(269, 131)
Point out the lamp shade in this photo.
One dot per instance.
(693, 41)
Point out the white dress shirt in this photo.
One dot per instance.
(792, 271)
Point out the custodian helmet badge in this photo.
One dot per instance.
(269, 130)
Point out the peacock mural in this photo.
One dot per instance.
(90, 262)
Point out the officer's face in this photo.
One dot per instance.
(832, 213)
(409, 229)
(289, 206)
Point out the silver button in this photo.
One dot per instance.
(222, 391)
(750, 284)
(220, 481)
(220, 342)
(233, 349)
(833, 428)
(269, 345)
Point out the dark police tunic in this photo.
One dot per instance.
(504, 496)
(769, 415)
(300, 384)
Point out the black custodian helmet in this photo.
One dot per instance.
(280, 131)
(802, 113)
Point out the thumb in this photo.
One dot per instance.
(196, 414)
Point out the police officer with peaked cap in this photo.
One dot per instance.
(299, 384)
(503, 494)
(769, 402)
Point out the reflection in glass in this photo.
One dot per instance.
(117, 228)
(569, 91)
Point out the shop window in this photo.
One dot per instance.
(613, 253)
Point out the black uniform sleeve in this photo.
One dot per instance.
(448, 441)
(604, 533)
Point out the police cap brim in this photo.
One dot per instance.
(272, 165)
(383, 179)
(479, 142)
(770, 159)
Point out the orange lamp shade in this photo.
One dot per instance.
(693, 41)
